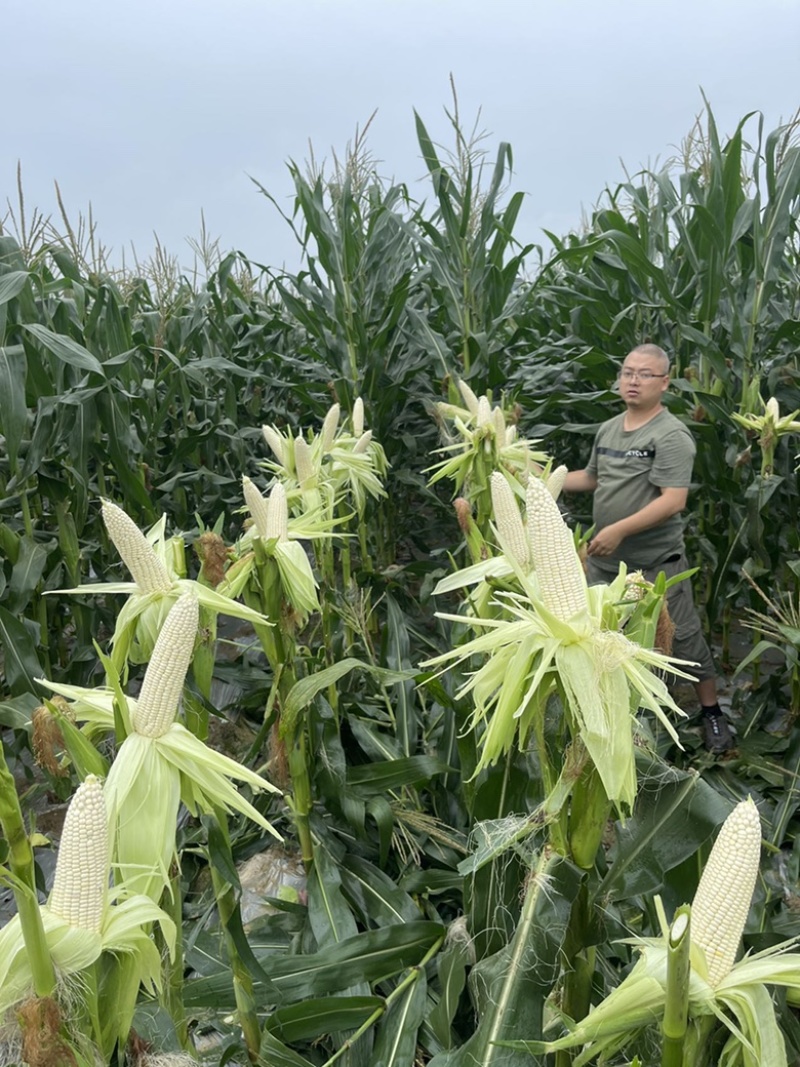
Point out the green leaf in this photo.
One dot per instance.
(394, 774)
(317, 1017)
(368, 957)
(276, 1054)
(65, 349)
(396, 1043)
(303, 692)
(21, 664)
(13, 409)
(11, 284)
(675, 814)
(27, 573)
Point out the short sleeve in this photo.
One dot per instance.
(591, 466)
(672, 466)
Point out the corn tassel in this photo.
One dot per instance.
(725, 892)
(257, 505)
(510, 528)
(135, 550)
(558, 569)
(158, 701)
(81, 879)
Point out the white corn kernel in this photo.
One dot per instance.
(362, 444)
(484, 412)
(277, 514)
(275, 442)
(80, 886)
(555, 481)
(558, 569)
(303, 461)
(329, 427)
(499, 420)
(136, 552)
(257, 505)
(510, 527)
(725, 892)
(157, 706)
(358, 417)
(469, 398)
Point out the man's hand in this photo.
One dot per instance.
(606, 542)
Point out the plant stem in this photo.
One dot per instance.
(227, 906)
(676, 1007)
(20, 862)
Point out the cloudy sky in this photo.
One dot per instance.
(157, 109)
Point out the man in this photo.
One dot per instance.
(640, 471)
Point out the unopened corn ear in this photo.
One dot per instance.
(358, 417)
(555, 481)
(80, 885)
(303, 461)
(136, 552)
(278, 514)
(157, 706)
(561, 580)
(508, 520)
(275, 442)
(469, 397)
(725, 892)
(329, 427)
(257, 505)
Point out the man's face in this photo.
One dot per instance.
(642, 380)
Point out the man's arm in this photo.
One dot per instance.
(671, 502)
(580, 482)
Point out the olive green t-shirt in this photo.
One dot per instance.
(631, 468)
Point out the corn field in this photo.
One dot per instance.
(315, 746)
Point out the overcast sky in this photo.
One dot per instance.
(157, 109)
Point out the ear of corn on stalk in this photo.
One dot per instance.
(161, 763)
(738, 997)
(358, 417)
(79, 920)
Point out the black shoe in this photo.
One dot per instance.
(717, 735)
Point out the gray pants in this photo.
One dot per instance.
(688, 643)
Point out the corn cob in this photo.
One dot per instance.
(277, 514)
(510, 528)
(358, 417)
(157, 705)
(135, 550)
(362, 443)
(469, 398)
(725, 892)
(81, 880)
(275, 442)
(499, 420)
(558, 569)
(257, 505)
(303, 461)
(329, 427)
(555, 481)
(484, 412)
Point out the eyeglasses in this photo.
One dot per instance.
(642, 375)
